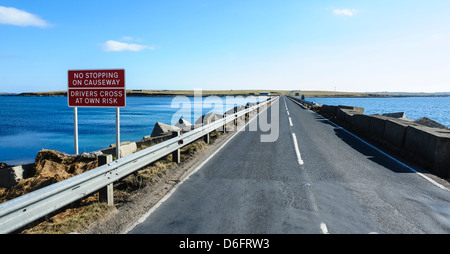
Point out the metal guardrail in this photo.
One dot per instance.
(25, 209)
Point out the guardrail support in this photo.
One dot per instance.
(206, 137)
(176, 155)
(247, 115)
(106, 194)
(235, 118)
(225, 125)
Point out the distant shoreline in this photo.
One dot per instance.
(220, 93)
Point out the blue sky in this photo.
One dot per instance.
(359, 45)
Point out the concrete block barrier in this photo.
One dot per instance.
(341, 113)
(362, 122)
(377, 125)
(162, 128)
(126, 148)
(148, 141)
(431, 144)
(329, 110)
(395, 115)
(347, 115)
(395, 132)
(359, 110)
(12, 175)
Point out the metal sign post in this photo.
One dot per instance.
(75, 128)
(117, 133)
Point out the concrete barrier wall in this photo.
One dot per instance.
(430, 144)
(126, 148)
(12, 175)
(362, 122)
(329, 110)
(377, 126)
(394, 132)
(346, 113)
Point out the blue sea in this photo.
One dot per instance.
(30, 124)
(435, 108)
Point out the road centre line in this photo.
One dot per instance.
(285, 105)
(297, 151)
(324, 228)
(290, 121)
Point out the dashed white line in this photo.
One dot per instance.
(297, 151)
(324, 228)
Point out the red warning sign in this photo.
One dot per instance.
(96, 88)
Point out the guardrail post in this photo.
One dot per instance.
(176, 155)
(235, 121)
(225, 125)
(106, 194)
(257, 109)
(247, 115)
(206, 137)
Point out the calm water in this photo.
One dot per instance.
(435, 108)
(29, 124)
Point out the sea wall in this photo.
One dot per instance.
(422, 141)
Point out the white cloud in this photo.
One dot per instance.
(345, 12)
(122, 46)
(127, 38)
(13, 16)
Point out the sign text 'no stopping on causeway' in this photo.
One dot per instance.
(96, 88)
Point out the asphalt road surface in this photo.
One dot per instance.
(315, 178)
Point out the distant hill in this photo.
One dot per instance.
(406, 94)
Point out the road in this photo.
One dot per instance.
(315, 178)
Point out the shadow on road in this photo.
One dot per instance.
(370, 152)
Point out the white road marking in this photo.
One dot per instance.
(290, 121)
(324, 228)
(297, 151)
